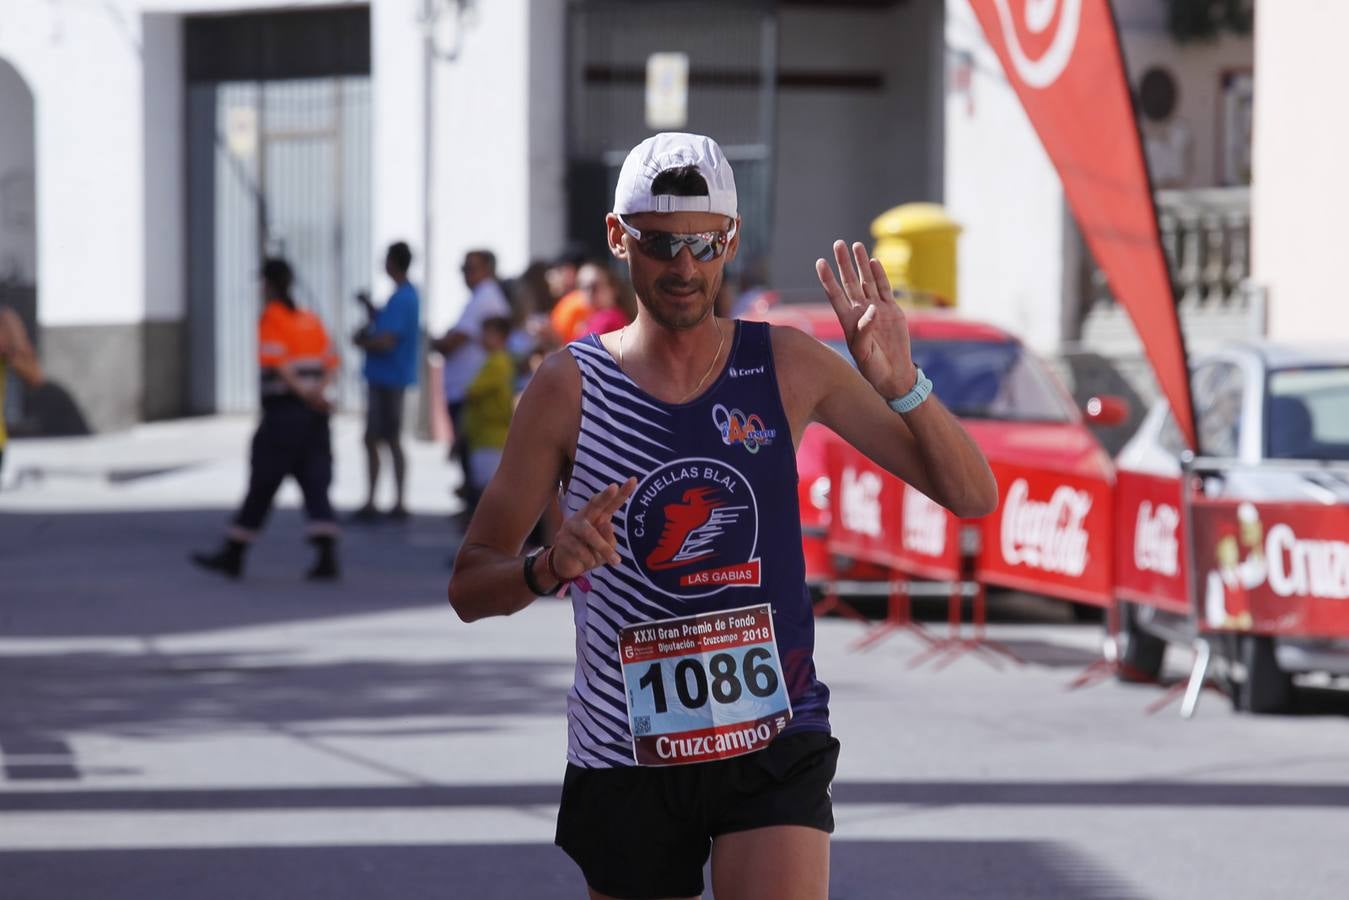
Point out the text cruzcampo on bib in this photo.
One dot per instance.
(703, 687)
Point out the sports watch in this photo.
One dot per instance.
(920, 391)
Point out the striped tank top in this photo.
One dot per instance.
(716, 493)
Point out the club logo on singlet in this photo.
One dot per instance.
(748, 431)
(693, 527)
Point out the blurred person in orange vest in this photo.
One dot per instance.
(293, 438)
(573, 306)
(17, 355)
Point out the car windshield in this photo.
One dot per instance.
(1307, 414)
(994, 380)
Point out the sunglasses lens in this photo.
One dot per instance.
(665, 245)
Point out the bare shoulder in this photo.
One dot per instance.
(555, 388)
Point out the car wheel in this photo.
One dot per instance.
(1140, 654)
(1267, 688)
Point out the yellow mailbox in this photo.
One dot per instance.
(916, 245)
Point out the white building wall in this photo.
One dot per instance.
(490, 127)
(398, 82)
(546, 70)
(1003, 189)
(1300, 182)
(83, 64)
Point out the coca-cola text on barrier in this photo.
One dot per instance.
(1050, 535)
(1150, 563)
(877, 518)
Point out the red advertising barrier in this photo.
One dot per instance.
(875, 517)
(1150, 565)
(1049, 535)
(1272, 568)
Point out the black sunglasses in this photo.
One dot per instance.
(665, 245)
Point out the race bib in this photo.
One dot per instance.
(703, 687)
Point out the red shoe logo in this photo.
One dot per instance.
(684, 538)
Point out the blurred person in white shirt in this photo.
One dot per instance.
(462, 344)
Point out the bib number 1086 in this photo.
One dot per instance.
(724, 678)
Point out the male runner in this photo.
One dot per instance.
(695, 719)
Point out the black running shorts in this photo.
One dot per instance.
(645, 832)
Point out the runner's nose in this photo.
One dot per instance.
(684, 264)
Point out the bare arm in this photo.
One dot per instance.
(488, 578)
(29, 370)
(927, 447)
(311, 393)
(16, 350)
(375, 342)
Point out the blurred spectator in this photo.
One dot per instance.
(530, 293)
(572, 307)
(754, 296)
(531, 333)
(16, 355)
(604, 292)
(463, 349)
(725, 302)
(561, 275)
(389, 339)
(298, 365)
(533, 337)
(488, 406)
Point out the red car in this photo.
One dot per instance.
(1051, 532)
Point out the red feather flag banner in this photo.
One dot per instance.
(1064, 60)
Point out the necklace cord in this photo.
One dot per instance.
(721, 342)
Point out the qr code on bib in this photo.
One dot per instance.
(641, 725)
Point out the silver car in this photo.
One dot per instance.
(1273, 424)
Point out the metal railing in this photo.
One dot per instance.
(1206, 235)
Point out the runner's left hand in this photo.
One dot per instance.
(586, 539)
(875, 327)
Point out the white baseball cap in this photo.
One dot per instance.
(675, 150)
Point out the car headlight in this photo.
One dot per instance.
(819, 492)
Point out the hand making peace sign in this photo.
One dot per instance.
(874, 325)
(586, 539)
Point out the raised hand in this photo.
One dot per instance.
(874, 325)
(586, 539)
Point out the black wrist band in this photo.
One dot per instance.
(530, 582)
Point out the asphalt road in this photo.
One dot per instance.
(167, 734)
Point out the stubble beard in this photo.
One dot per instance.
(687, 318)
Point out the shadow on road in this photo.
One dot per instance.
(169, 695)
(928, 794)
(860, 870)
(127, 573)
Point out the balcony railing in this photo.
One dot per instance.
(1206, 236)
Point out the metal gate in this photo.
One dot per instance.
(288, 164)
(732, 96)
